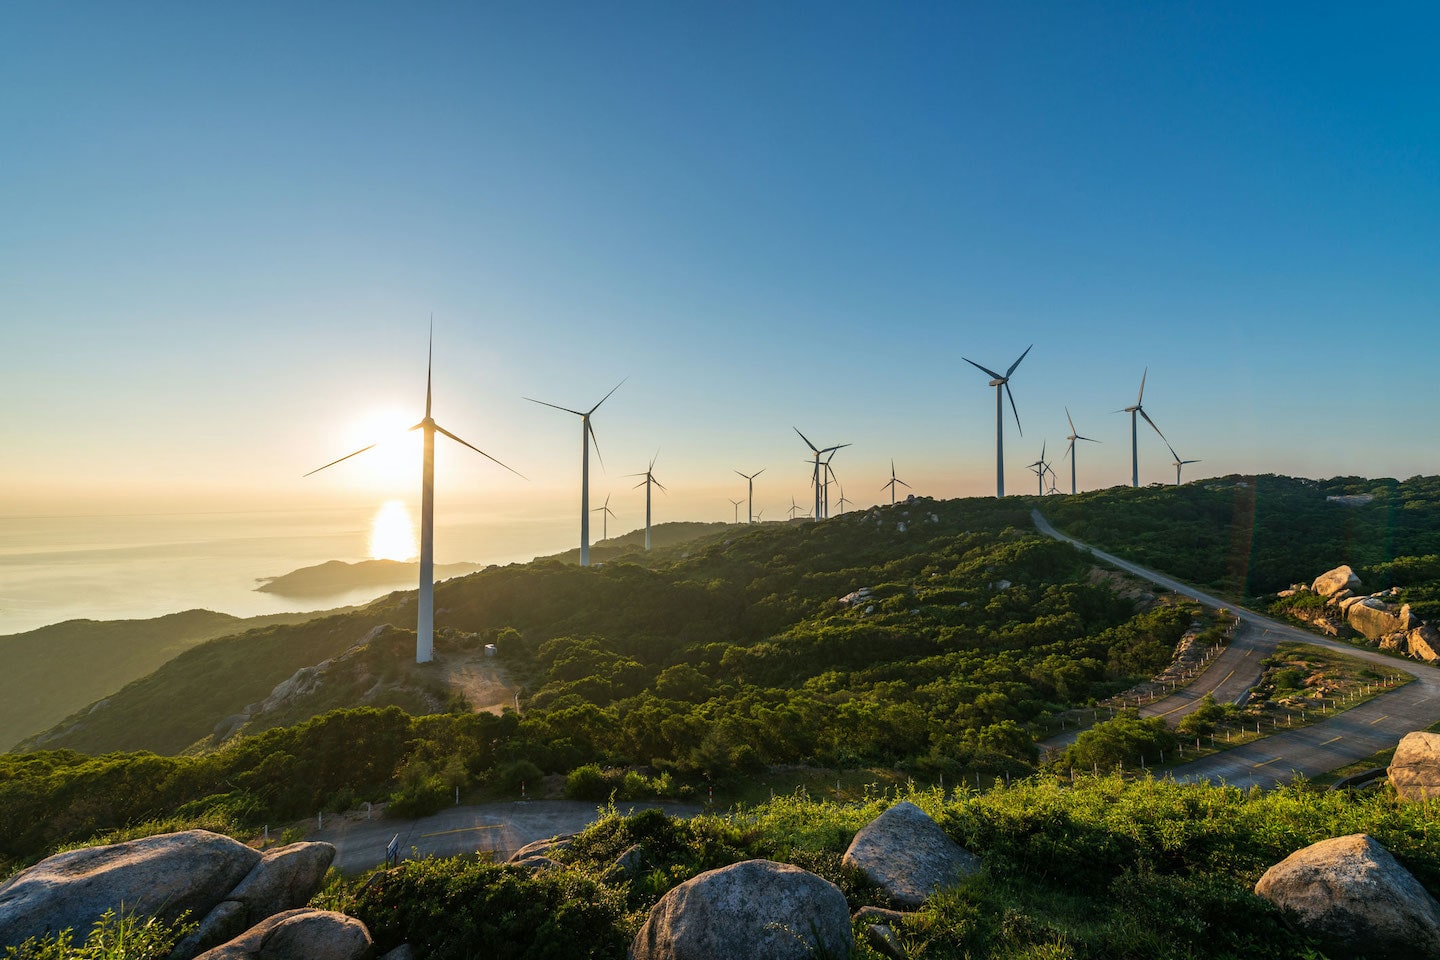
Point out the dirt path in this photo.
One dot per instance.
(481, 679)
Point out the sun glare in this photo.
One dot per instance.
(392, 535)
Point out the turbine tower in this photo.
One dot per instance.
(816, 478)
(894, 480)
(1070, 450)
(1178, 462)
(843, 501)
(829, 476)
(1039, 467)
(1134, 434)
(794, 508)
(587, 433)
(737, 509)
(425, 614)
(750, 495)
(605, 514)
(1001, 383)
(649, 476)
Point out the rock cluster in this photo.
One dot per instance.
(1351, 894)
(1370, 615)
(223, 884)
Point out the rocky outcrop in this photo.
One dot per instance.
(756, 908)
(541, 848)
(298, 935)
(1351, 894)
(163, 876)
(1424, 643)
(284, 879)
(1332, 582)
(1373, 618)
(908, 856)
(1415, 769)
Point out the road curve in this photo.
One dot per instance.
(1316, 749)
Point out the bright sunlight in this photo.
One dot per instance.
(392, 535)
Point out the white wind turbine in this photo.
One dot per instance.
(649, 476)
(1134, 434)
(843, 501)
(893, 481)
(605, 514)
(737, 509)
(816, 478)
(1070, 450)
(425, 615)
(750, 494)
(1039, 467)
(1001, 383)
(1178, 462)
(587, 433)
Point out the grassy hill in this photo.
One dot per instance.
(55, 670)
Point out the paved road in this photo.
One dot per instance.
(501, 827)
(1319, 748)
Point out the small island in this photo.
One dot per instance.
(337, 576)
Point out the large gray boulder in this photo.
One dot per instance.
(1332, 582)
(298, 935)
(1424, 643)
(756, 908)
(1352, 895)
(164, 876)
(1415, 768)
(1373, 618)
(284, 879)
(908, 856)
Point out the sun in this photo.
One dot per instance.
(392, 535)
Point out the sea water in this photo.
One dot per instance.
(147, 565)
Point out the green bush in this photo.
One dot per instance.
(588, 782)
(111, 938)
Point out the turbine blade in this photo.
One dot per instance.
(992, 373)
(830, 450)
(904, 484)
(757, 473)
(595, 440)
(662, 486)
(1167, 444)
(482, 453)
(1152, 423)
(1072, 422)
(1017, 362)
(638, 485)
(429, 365)
(807, 440)
(342, 459)
(606, 397)
(1141, 398)
(1192, 461)
(544, 404)
(1013, 410)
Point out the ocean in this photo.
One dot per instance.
(139, 566)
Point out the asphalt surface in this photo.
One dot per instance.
(1319, 748)
(500, 827)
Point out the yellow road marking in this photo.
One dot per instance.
(483, 826)
(1330, 741)
(1267, 762)
(1378, 719)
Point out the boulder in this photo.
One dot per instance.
(1424, 642)
(542, 848)
(1373, 618)
(1408, 620)
(1287, 593)
(1395, 643)
(1415, 769)
(402, 952)
(1338, 598)
(1348, 602)
(1352, 895)
(908, 856)
(163, 876)
(225, 922)
(626, 866)
(1333, 581)
(284, 879)
(298, 935)
(756, 908)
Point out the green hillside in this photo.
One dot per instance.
(55, 670)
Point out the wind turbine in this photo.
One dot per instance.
(894, 480)
(843, 501)
(649, 476)
(737, 509)
(1178, 462)
(999, 383)
(758, 515)
(425, 614)
(750, 495)
(1039, 467)
(794, 508)
(1134, 435)
(605, 513)
(817, 451)
(587, 433)
(829, 476)
(1070, 450)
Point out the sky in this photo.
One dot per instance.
(226, 228)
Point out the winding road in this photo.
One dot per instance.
(1319, 748)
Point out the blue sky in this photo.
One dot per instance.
(224, 230)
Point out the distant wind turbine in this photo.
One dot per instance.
(1070, 450)
(818, 451)
(425, 615)
(1134, 434)
(587, 433)
(1178, 462)
(605, 514)
(1001, 383)
(649, 476)
(893, 481)
(750, 495)
(843, 501)
(1039, 467)
(737, 509)
(758, 515)
(794, 508)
